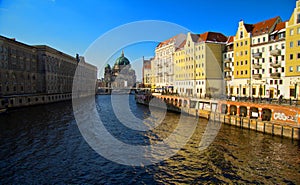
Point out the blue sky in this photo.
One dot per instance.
(72, 25)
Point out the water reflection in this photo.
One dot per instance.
(42, 144)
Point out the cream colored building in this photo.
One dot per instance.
(198, 65)
(147, 73)
(163, 63)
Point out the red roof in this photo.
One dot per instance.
(263, 26)
(167, 41)
(230, 39)
(212, 37)
(280, 26)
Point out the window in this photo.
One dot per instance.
(282, 57)
(292, 92)
(246, 52)
(246, 43)
(253, 41)
(291, 44)
(237, 63)
(298, 42)
(271, 82)
(246, 62)
(282, 69)
(241, 63)
(237, 72)
(281, 35)
(263, 49)
(241, 53)
(241, 43)
(264, 39)
(298, 68)
(244, 90)
(263, 71)
(270, 70)
(241, 35)
(237, 44)
(242, 72)
(298, 55)
(291, 69)
(246, 72)
(280, 82)
(291, 57)
(298, 30)
(282, 46)
(291, 32)
(298, 18)
(258, 40)
(270, 48)
(253, 91)
(263, 60)
(272, 37)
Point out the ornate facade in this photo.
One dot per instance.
(120, 76)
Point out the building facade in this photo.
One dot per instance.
(146, 72)
(164, 63)
(36, 74)
(120, 76)
(293, 52)
(198, 65)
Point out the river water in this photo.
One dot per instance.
(43, 145)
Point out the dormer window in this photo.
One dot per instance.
(241, 35)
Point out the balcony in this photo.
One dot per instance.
(257, 76)
(257, 55)
(227, 69)
(227, 60)
(257, 66)
(227, 78)
(275, 75)
(276, 64)
(276, 52)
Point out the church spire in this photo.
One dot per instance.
(122, 53)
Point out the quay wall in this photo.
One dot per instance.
(277, 127)
(29, 100)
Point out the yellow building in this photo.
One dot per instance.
(242, 59)
(198, 65)
(293, 51)
(179, 66)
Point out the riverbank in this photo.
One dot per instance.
(278, 120)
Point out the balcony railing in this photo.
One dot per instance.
(257, 76)
(227, 60)
(257, 66)
(257, 55)
(275, 75)
(227, 69)
(276, 64)
(276, 52)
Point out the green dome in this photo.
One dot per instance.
(122, 60)
(107, 66)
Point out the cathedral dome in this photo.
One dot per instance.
(122, 60)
